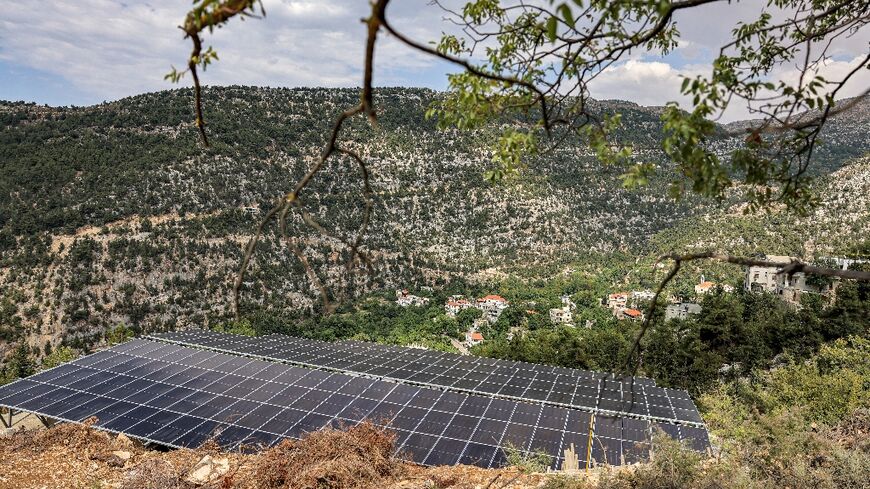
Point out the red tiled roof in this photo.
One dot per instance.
(619, 294)
(632, 312)
(476, 336)
(492, 297)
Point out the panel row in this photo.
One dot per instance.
(181, 397)
(543, 384)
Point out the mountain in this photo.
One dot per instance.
(114, 214)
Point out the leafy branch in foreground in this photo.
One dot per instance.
(557, 49)
(208, 14)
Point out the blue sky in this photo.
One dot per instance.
(84, 52)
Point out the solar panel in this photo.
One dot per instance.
(180, 397)
(557, 386)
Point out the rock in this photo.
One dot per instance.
(123, 441)
(122, 454)
(208, 469)
(114, 461)
(118, 458)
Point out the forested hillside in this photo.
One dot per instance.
(115, 215)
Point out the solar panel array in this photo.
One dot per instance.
(179, 396)
(552, 386)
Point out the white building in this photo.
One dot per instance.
(561, 315)
(455, 304)
(706, 287)
(639, 296)
(492, 306)
(515, 331)
(789, 287)
(405, 299)
(619, 300)
(473, 338)
(682, 310)
(763, 279)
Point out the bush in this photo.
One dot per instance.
(527, 461)
(828, 387)
(242, 327)
(60, 355)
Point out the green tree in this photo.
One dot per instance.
(676, 356)
(466, 317)
(848, 315)
(20, 365)
(721, 319)
(61, 354)
(119, 334)
(242, 327)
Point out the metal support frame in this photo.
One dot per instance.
(6, 418)
(7, 424)
(589, 442)
(46, 421)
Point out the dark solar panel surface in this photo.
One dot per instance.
(181, 397)
(543, 384)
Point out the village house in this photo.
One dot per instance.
(492, 306)
(561, 315)
(681, 310)
(564, 314)
(640, 296)
(473, 338)
(789, 287)
(705, 287)
(631, 315)
(456, 304)
(515, 331)
(763, 279)
(619, 300)
(405, 299)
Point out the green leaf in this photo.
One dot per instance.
(551, 28)
(565, 10)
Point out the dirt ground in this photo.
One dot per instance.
(73, 456)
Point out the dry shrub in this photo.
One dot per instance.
(155, 473)
(444, 479)
(80, 438)
(853, 433)
(359, 457)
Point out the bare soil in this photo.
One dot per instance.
(74, 456)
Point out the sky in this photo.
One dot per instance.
(83, 52)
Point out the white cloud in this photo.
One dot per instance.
(833, 71)
(111, 49)
(657, 83)
(643, 82)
